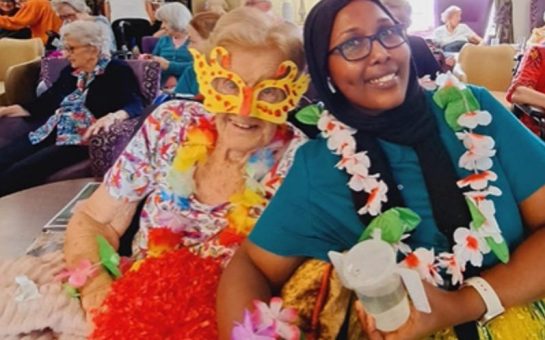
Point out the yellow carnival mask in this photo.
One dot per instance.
(225, 91)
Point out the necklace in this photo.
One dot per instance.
(198, 143)
(483, 235)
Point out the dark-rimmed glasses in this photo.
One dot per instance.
(358, 48)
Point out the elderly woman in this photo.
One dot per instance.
(171, 50)
(37, 15)
(205, 173)
(71, 10)
(90, 94)
(528, 85)
(392, 157)
(454, 34)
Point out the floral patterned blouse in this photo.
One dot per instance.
(141, 173)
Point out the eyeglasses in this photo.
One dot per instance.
(72, 49)
(68, 17)
(358, 48)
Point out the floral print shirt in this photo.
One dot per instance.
(141, 173)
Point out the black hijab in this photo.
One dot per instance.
(411, 124)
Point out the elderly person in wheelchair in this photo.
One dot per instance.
(91, 94)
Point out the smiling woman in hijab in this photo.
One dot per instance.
(453, 159)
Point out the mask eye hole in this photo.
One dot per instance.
(272, 95)
(225, 86)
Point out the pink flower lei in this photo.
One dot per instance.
(483, 233)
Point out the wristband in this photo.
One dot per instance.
(491, 300)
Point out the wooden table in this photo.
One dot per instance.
(24, 213)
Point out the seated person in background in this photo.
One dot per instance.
(91, 94)
(131, 20)
(9, 8)
(426, 64)
(264, 6)
(205, 172)
(454, 34)
(71, 10)
(387, 143)
(171, 50)
(199, 30)
(538, 35)
(38, 15)
(528, 85)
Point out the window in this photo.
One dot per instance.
(422, 17)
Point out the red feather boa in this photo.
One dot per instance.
(170, 297)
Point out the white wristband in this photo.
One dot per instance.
(491, 300)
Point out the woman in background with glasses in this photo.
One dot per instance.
(469, 175)
(91, 94)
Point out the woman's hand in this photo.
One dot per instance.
(162, 62)
(447, 309)
(105, 123)
(13, 111)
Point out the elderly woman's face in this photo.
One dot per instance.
(377, 81)
(67, 13)
(243, 133)
(79, 55)
(455, 18)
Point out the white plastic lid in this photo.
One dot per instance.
(370, 262)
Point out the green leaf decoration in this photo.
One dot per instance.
(70, 290)
(476, 215)
(108, 256)
(393, 223)
(309, 114)
(455, 102)
(499, 249)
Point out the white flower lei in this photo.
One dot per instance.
(472, 242)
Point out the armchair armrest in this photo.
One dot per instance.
(105, 147)
(21, 82)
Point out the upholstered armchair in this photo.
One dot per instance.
(14, 53)
(488, 66)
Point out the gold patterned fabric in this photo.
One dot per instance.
(302, 292)
(305, 286)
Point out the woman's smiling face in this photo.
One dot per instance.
(378, 81)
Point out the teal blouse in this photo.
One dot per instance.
(179, 58)
(313, 213)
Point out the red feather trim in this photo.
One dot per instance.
(170, 297)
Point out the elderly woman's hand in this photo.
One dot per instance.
(447, 310)
(105, 123)
(13, 111)
(162, 62)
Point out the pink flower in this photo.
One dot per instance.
(469, 247)
(422, 260)
(78, 276)
(281, 319)
(377, 196)
(248, 331)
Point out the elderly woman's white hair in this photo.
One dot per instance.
(87, 32)
(174, 14)
(79, 6)
(447, 13)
